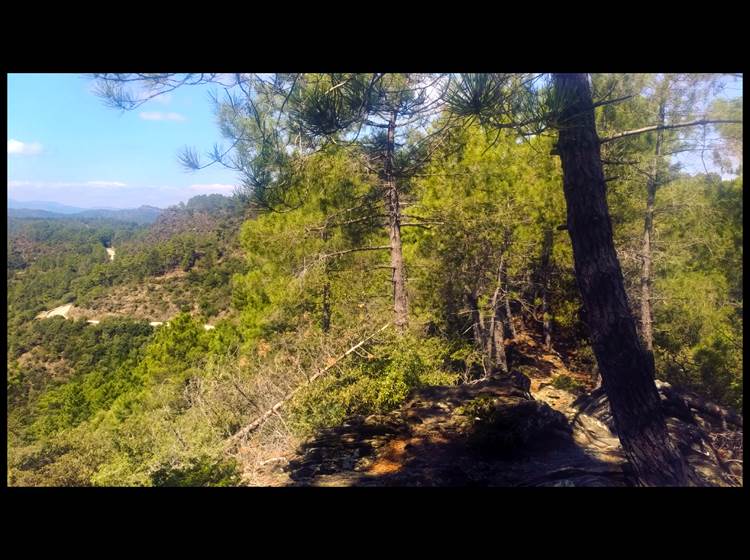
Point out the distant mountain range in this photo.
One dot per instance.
(54, 210)
(47, 206)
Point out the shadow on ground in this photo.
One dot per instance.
(495, 433)
(489, 433)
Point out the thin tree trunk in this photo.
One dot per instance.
(596, 375)
(509, 327)
(499, 358)
(508, 315)
(480, 337)
(496, 341)
(326, 320)
(648, 231)
(528, 293)
(626, 367)
(545, 270)
(394, 232)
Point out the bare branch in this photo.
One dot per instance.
(611, 101)
(700, 122)
(372, 248)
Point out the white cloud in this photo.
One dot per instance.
(213, 188)
(106, 184)
(164, 98)
(159, 116)
(18, 148)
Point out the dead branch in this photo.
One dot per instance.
(339, 253)
(700, 122)
(274, 409)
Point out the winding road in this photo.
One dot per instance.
(64, 310)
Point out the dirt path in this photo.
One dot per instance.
(62, 311)
(70, 312)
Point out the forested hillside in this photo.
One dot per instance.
(142, 215)
(406, 262)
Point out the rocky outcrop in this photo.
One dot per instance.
(495, 433)
(489, 433)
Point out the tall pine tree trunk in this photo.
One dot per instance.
(545, 272)
(648, 231)
(626, 367)
(394, 232)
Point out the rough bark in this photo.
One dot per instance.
(626, 368)
(394, 232)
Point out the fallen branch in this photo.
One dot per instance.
(244, 432)
(272, 460)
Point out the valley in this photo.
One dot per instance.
(382, 279)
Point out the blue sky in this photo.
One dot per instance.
(65, 145)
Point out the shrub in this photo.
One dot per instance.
(375, 386)
(202, 471)
(568, 383)
(504, 429)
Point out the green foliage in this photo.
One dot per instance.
(568, 383)
(202, 471)
(375, 385)
(288, 253)
(478, 408)
(103, 358)
(696, 245)
(698, 313)
(174, 350)
(492, 199)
